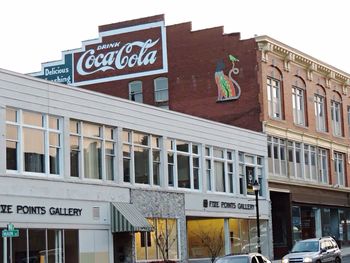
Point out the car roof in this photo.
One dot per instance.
(242, 255)
(315, 239)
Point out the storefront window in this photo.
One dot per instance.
(296, 223)
(205, 235)
(44, 246)
(162, 243)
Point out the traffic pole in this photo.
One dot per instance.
(10, 249)
(5, 250)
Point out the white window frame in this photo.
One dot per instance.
(273, 162)
(257, 165)
(274, 98)
(102, 138)
(308, 152)
(339, 159)
(228, 161)
(298, 104)
(160, 89)
(322, 161)
(172, 149)
(320, 113)
(150, 147)
(20, 125)
(336, 118)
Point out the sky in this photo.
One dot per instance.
(36, 31)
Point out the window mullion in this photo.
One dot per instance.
(103, 154)
(47, 144)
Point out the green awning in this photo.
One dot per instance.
(126, 218)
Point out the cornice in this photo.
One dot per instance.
(288, 54)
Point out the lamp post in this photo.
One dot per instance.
(256, 188)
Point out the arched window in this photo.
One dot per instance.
(161, 92)
(274, 93)
(336, 114)
(135, 91)
(320, 109)
(298, 101)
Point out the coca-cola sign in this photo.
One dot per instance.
(133, 54)
(118, 55)
(121, 53)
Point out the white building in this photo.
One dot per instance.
(87, 177)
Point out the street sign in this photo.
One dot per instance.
(10, 227)
(10, 233)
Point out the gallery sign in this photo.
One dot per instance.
(227, 205)
(122, 53)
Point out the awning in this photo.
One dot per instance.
(126, 218)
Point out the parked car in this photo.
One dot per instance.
(314, 250)
(243, 258)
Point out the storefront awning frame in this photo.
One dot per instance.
(127, 218)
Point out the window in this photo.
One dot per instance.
(298, 106)
(219, 169)
(320, 113)
(336, 118)
(92, 150)
(274, 98)
(322, 162)
(294, 159)
(44, 245)
(161, 91)
(305, 161)
(339, 168)
(277, 152)
(135, 91)
(183, 164)
(349, 120)
(141, 158)
(310, 170)
(250, 169)
(39, 146)
(160, 242)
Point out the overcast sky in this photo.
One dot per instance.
(36, 31)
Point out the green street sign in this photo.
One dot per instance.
(10, 233)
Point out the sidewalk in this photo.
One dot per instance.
(345, 251)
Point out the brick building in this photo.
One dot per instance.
(301, 103)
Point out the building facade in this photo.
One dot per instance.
(261, 84)
(88, 177)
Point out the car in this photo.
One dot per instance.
(314, 250)
(243, 258)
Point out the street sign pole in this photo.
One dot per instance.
(10, 249)
(5, 249)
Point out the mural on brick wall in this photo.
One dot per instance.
(228, 88)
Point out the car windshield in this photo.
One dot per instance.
(234, 259)
(305, 246)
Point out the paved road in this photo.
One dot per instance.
(346, 259)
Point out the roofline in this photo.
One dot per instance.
(265, 38)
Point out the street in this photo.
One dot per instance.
(346, 259)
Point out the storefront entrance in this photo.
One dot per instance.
(42, 246)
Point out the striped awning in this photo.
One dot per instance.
(126, 218)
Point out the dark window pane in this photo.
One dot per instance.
(11, 155)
